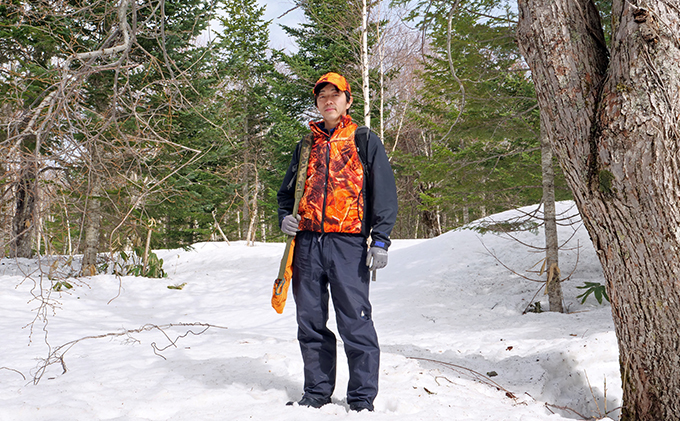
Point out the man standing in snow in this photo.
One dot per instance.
(349, 195)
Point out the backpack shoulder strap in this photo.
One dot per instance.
(361, 140)
(303, 163)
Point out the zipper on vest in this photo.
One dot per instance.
(325, 184)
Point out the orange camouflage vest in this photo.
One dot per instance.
(333, 200)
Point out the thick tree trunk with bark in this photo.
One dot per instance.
(431, 225)
(26, 198)
(614, 128)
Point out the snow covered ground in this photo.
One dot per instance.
(455, 344)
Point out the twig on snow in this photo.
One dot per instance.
(16, 371)
(565, 408)
(57, 355)
(476, 375)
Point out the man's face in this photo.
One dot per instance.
(332, 104)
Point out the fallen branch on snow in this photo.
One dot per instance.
(16, 371)
(475, 375)
(484, 379)
(57, 355)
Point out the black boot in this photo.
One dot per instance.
(360, 406)
(311, 402)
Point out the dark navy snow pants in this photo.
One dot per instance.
(338, 261)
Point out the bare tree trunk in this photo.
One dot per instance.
(26, 198)
(69, 249)
(431, 223)
(250, 238)
(614, 128)
(246, 176)
(381, 56)
(553, 281)
(246, 204)
(147, 248)
(364, 64)
(219, 228)
(92, 223)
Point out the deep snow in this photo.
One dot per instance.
(448, 315)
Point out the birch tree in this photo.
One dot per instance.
(365, 80)
(337, 37)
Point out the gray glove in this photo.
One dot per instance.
(376, 258)
(289, 225)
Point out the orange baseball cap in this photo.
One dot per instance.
(333, 78)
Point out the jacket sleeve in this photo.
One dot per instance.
(286, 194)
(382, 193)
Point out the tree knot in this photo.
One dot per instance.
(648, 27)
(640, 15)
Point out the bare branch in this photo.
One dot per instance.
(57, 354)
(16, 371)
(474, 374)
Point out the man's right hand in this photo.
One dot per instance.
(289, 225)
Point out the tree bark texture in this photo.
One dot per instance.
(92, 224)
(26, 198)
(613, 125)
(552, 266)
(431, 225)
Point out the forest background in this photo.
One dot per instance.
(134, 125)
(129, 126)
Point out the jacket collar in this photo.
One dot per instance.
(319, 129)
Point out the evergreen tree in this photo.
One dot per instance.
(330, 41)
(29, 41)
(141, 104)
(476, 150)
(228, 189)
(112, 77)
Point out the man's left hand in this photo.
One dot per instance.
(376, 258)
